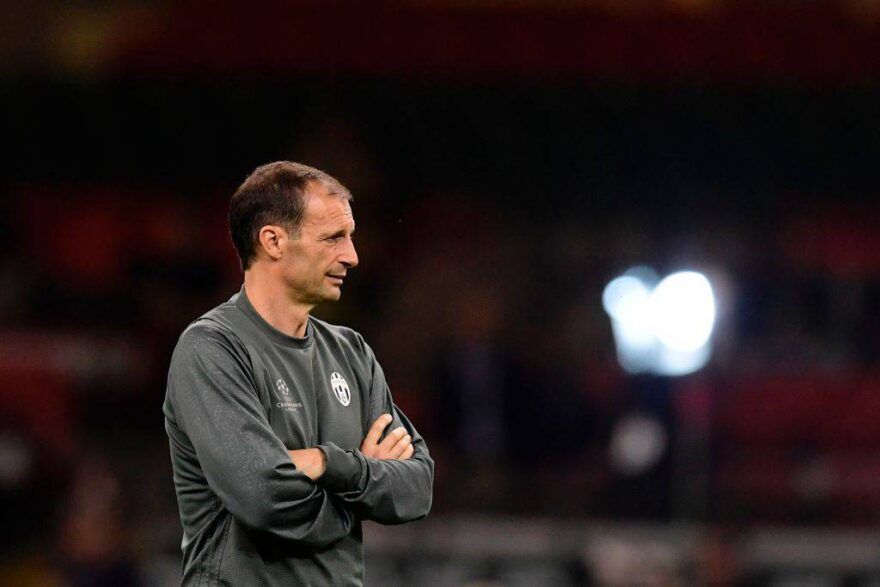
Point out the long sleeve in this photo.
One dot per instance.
(385, 491)
(213, 399)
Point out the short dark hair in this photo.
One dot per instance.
(273, 194)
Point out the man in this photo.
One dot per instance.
(282, 429)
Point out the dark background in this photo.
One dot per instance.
(507, 161)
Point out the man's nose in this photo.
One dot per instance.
(349, 256)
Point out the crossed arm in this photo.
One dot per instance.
(395, 473)
(397, 445)
(389, 479)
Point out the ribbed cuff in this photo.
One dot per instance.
(343, 470)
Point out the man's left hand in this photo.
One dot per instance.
(396, 446)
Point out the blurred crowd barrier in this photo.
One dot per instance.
(522, 552)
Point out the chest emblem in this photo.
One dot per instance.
(340, 388)
(282, 388)
(284, 395)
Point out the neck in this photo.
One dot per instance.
(273, 303)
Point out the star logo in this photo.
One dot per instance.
(282, 388)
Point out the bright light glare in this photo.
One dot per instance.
(675, 363)
(626, 299)
(683, 311)
(665, 329)
(620, 294)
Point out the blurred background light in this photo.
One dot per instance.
(638, 441)
(664, 329)
(683, 311)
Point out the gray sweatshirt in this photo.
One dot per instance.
(240, 395)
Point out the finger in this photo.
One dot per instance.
(398, 448)
(372, 437)
(393, 437)
(406, 453)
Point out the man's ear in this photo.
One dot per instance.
(271, 239)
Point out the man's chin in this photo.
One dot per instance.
(332, 294)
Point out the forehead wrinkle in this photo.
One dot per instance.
(328, 217)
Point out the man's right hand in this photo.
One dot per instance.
(396, 446)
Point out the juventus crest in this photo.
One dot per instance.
(340, 388)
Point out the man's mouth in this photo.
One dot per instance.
(338, 278)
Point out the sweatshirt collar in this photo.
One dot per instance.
(244, 304)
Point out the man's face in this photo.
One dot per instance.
(315, 264)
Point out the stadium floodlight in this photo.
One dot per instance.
(627, 301)
(683, 311)
(663, 328)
